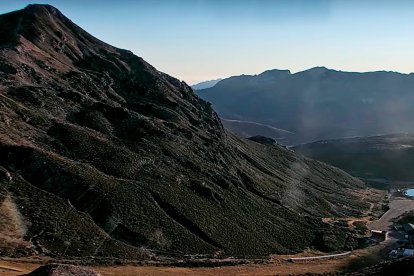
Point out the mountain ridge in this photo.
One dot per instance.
(318, 103)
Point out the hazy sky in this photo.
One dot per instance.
(197, 40)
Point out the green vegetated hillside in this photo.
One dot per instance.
(377, 158)
(103, 155)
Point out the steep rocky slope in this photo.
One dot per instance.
(103, 155)
(317, 104)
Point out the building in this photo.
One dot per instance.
(408, 253)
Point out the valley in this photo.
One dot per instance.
(382, 161)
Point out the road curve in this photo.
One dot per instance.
(397, 208)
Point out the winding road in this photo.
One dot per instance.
(398, 206)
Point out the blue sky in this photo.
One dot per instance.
(197, 40)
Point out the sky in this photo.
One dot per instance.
(197, 40)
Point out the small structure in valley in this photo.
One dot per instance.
(408, 252)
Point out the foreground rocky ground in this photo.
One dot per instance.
(404, 267)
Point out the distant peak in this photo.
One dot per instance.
(50, 30)
(275, 72)
(205, 84)
(316, 71)
(319, 69)
(41, 8)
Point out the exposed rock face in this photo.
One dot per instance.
(110, 157)
(5, 175)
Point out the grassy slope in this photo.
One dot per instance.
(386, 157)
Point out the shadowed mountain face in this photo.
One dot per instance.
(378, 159)
(101, 154)
(318, 103)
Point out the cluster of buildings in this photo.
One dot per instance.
(401, 253)
(406, 231)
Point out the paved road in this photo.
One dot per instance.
(314, 258)
(397, 208)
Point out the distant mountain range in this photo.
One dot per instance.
(316, 104)
(205, 84)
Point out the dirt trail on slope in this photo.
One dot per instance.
(13, 268)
